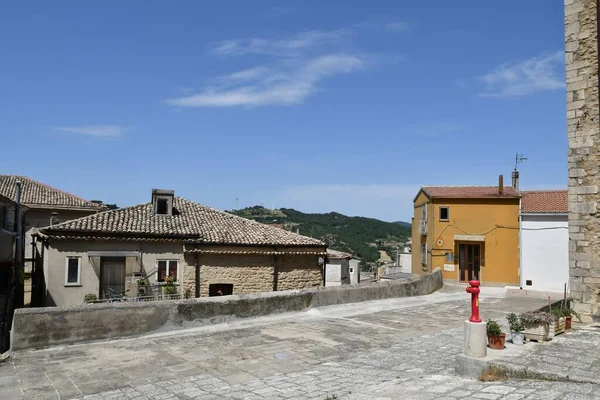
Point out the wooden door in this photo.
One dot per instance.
(469, 262)
(112, 276)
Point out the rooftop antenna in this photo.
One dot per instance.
(519, 160)
(515, 175)
(236, 203)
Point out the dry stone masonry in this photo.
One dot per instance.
(581, 56)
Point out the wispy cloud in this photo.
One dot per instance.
(292, 67)
(282, 87)
(281, 47)
(532, 75)
(94, 130)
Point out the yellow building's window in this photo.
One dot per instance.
(444, 213)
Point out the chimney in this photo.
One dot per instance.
(515, 180)
(162, 201)
(54, 218)
(500, 185)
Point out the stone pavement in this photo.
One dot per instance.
(572, 356)
(390, 349)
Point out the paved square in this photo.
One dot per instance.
(391, 349)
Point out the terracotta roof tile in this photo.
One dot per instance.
(338, 254)
(194, 222)
(35, 194)
(545, 201)
(468, 192)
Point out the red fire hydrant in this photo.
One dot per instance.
(474, 290)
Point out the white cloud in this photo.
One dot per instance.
(541, 73)
(286, 87)
(388, 202)
(246, 74)
(94, 130)
(292, 69)
(281, 47)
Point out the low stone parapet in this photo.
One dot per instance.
(42, 327)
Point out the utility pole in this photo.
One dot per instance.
(19, 275)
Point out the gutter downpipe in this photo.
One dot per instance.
(520, 246)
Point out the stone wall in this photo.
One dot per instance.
(298, 272)
(252, 273)
(41, 327)
(581, 56)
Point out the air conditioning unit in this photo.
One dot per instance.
(423, 227)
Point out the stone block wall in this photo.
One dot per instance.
(583, 127)
(251, 273)
(298, 272)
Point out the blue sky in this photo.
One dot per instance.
(320, 106)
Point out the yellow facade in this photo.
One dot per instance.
(478, 233)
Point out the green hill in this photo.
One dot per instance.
(363, 237)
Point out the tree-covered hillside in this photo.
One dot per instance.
(363, 237)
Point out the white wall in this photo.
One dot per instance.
(337, 273)
(545, 252)
(406, 262)
(354, 272)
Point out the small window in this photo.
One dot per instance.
(166, 268)
(73, 271)
(3, 217)
(444, 213)
(220, 289)
(162, 206)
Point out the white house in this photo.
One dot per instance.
(544, 240)
(342, 269)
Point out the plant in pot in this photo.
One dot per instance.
(495, 335)
(568, 312)
(169, 288)
(90, 298)
(537, 325)
(142, 287)
(516, 328)
(559, 321)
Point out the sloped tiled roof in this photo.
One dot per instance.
(35, 194)
(545, 201)
(469, 192)
(191, 221)
(338, 254)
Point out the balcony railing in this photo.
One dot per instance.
(158, 297)
(423, 227)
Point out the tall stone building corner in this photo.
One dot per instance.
(583, 127)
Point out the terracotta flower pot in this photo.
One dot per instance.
(497, 342)
(568, 320)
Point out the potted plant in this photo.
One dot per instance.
(169, 287)
(495, 335)
(142, 284)
(568, 312)
(559, 321)
(537, 325)
(90, 298)
(516, 328)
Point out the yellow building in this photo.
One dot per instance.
(469, 232)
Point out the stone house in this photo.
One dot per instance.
(45, 205)
(205, 251)
(544, 240)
